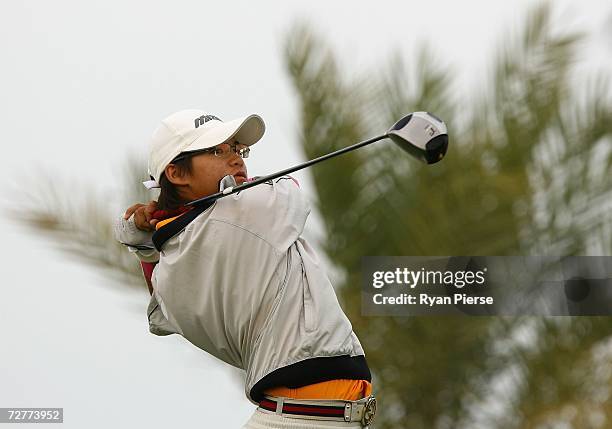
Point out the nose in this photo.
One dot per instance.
(236, 160)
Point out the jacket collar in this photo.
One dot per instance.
(169, 227)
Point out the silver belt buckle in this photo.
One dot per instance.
(369, 411)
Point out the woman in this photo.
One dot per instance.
(238, 280)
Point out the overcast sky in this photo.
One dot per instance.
(83, 84)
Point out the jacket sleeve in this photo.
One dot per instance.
(158, 324)
(138, 242)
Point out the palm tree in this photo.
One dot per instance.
(82, 227)
(528, 173)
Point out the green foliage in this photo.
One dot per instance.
(525, 174)
(80, 223)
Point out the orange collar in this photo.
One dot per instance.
(167, 216)
(166, 221)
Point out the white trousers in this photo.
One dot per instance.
(264, 419)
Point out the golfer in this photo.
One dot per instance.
(237, 279)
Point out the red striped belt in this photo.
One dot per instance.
(362, 410)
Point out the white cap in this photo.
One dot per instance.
(193, 129)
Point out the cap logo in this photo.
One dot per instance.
(205, 118)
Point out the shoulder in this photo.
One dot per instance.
(275, 210)
(273, 194)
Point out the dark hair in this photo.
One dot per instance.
(169, 197)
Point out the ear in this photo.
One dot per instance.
(176, 175)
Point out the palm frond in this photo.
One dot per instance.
(79, 220)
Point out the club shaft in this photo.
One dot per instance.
(281, 173)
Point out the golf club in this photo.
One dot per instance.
(421, 134)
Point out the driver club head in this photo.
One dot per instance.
(422, 135)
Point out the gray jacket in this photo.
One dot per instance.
(242, 284)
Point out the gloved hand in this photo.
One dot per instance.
(227, 182)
